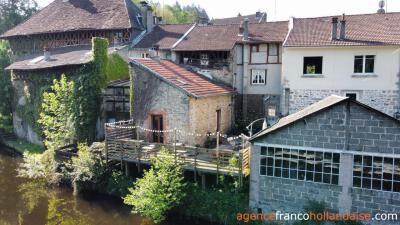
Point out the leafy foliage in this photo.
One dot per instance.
(23, 146)
(40, 166)
(5, 87)
(87, 167)
(219, 205)
(117, 68)
(57, 116)
(177, 13)
(160, 190)
(14, 12)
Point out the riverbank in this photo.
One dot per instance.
(21, 146)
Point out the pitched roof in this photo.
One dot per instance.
(224, 37)
(73, 15)
(216, 37)
(238, 19)
(361, 30)
(164, 36)
(67, 56)
(312, 109)
(191, 83)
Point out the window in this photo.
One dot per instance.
(272, 50)
(320, 167)
(145, 55)
(258, 77)
(364, 63)
(255, 48)
(376, 172)
(352, 96)
(312, 65)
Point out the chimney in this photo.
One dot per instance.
(147, 16)
(343, 28)
(246, 29)
(266, 17)
(334, 27)
(241, 28)
(46, 54)
(258, 15)
(381, 9)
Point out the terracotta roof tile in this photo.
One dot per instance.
(60, 16)
(224, 37)
(238, 19)
(190, 82)
(361, 30)
(164, 36)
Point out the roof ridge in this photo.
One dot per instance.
(347, 15)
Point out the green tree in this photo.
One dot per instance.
(5, 87)
(176, 13)
(57, 115)
(160, 190)
(87, 167)
(14, 12)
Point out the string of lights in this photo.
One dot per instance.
(119, 125)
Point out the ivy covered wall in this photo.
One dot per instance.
(89, 81)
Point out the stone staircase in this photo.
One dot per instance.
(4, 135)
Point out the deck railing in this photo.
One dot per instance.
(123, 144)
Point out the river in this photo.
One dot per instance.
(27, 202)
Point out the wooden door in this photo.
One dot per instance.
(157, 124)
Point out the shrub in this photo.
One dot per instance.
(87, 169)
(57, 116)
(160, 190)
(219, 205)
(40, 166)
(118, 184)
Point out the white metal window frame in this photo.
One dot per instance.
(258, 75)
(361, 177)
(323, 150)
(293, 148)
(364, 57)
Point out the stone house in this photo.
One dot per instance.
(246, 56)
(48, 45)
(350, 55)
(338, 151)
(167, 96)
(258, 17)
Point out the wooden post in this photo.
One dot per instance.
(106, 143)
(122, 155)
(203, 181)
(217, 157)
(241, 163)
(137, 133)
(195, 165)
(175, 146)
(127, 172)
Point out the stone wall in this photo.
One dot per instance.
(203, 116)
(155, 97)
(385, 100)
(347, 127)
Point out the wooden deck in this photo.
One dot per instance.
(216, 161)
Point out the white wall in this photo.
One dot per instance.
(243, 72)
(338, 68)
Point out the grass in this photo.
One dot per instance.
(23, 146)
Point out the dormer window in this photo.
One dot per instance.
(364, 64)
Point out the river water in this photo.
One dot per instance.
(26, 202)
